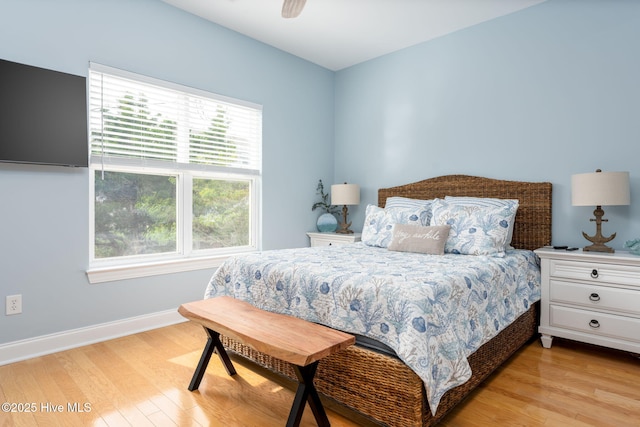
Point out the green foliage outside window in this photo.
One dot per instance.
(135, 213)
(224, 223)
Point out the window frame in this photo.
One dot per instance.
(185, 258)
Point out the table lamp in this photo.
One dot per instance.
(600, 189)
(345, 194)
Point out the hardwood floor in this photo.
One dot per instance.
(141, 380)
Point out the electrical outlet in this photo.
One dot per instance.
(13, 304)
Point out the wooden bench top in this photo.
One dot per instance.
(281, 336)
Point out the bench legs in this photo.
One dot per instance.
(213, 343)
(306, 391)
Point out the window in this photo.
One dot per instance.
(175, 172)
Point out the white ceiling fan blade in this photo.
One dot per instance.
(292, 8)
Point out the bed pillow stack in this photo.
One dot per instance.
(469, 225)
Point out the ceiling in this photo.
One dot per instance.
(336, 34)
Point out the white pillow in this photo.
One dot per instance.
(487, 202)
(475, 230)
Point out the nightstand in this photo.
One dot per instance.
(331, 239)
(591, 297)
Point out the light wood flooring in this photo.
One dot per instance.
(141, 380)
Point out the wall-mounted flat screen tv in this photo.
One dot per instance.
(43, 116)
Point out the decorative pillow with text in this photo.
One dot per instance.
(416, 238)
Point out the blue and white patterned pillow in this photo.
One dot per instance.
(411, 204)
(487, 202)
(378, 223)
(407, 203)
(475, 230)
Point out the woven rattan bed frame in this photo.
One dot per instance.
(382, 388)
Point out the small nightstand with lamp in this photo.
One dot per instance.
(592, 296)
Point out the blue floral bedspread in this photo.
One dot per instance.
(433, 310)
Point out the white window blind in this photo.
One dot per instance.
(137, 117)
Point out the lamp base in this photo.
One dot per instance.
(598, 248)
(598, 239)
(343, 226)
(344, 229)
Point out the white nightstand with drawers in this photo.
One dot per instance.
(331, 239)
(591, 297)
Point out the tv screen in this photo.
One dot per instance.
(43, 116)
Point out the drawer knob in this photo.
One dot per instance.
(594, 324)
(594, 297)
(594, 273)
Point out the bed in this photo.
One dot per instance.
(387, 378)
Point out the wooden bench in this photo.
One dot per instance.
(293, 340)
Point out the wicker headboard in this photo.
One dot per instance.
(532, 228)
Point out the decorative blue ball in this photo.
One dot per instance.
(327, 223)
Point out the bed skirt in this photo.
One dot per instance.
(383, 389)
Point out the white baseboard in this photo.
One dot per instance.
(46, 344)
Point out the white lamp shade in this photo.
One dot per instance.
(345, 194)
(600, 189)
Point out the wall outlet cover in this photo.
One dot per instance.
(13, 305)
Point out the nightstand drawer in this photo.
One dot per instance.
(332, 239)
(328, 242)
(595, 272)
(621, 327)
(597, 297)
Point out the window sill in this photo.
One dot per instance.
(133, 271)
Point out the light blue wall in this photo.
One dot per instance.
(44, 239)
(538, 95)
